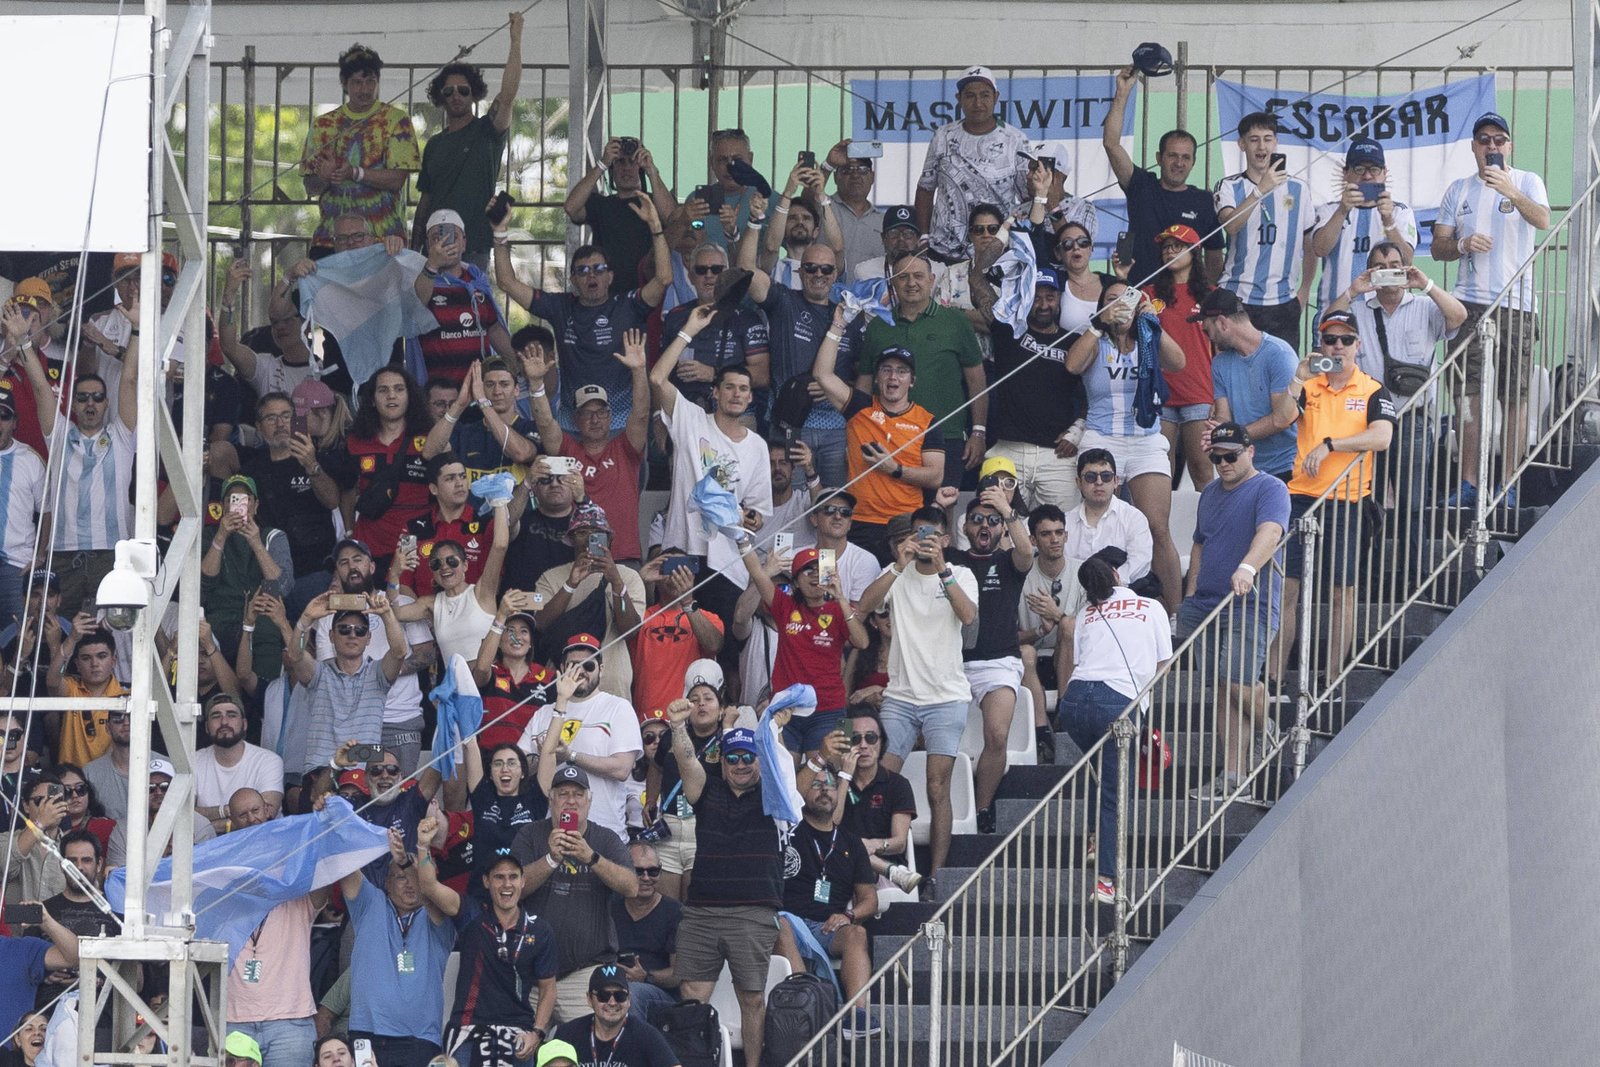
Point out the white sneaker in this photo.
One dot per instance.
(904, 878)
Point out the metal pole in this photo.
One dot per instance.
(1488, 333)
(586, 90)
(1308, 531)
(247, 219)
(1180, 74)
(1583, 304)
(1122, 732)
(934, 934)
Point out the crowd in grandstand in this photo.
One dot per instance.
(940, 501)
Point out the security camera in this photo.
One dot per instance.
(125, 590)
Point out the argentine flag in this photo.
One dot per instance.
(367, 299)
(460, 708)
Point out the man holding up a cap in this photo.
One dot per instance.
(974, 161)
(1350, 226)
(605, 1031)
(461, 299)
(1488, 220)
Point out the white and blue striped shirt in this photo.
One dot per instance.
(1263, 265)
(92, 509)
(1470, 206)
(1109, 383)
(1362, 231)
(21, 500)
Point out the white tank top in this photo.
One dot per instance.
(459, 623)
(1075, 313)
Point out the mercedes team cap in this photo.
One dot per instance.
(570, 774)
(703, 672)
(160, 765)
(1230, 436)
(976, 74)
(900, 216)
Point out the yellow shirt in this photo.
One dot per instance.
(84, 734)
(1336, 413)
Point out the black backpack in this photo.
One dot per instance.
(797, 1009)
(693, 1030)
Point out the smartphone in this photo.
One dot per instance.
(599, 541)
(239, 504)
(1278, 161)
(864, 150)
(628, 959)
(807, 158)
(299, 423)
(1325, 364)
(348, 601)
(712, 195)
(568, 821)
(827, 568)
(364, 1056)
(1384, 277)
(24, 914)
(363, 753)
(1370, 191)
(499, 207)
(627, 146)
(562, 465)
(672, 563)
(1495, 159)
(407, 543)
(923, 532)
(89, 606)
(1125, 247)
(54, 791)
(782, 543)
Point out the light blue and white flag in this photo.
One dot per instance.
(870, 295)
(1018, 275)
(367, 299)
(460, 708)
(780, 796)
(241, 876)
(717, 507)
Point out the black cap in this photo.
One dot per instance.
(350, 542)
(904, 355)
(732, 285)
(1152, 59)
(1219, 303)
(607, 976)
(1230, 435)
(1490, 118)
(900, 216)
(570, 774)
(897, 527)
(829, 496)
(8, 404)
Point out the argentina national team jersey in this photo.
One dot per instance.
(1472, 207)
(1362, 231)
(1109, 383)
(92, 511)
(1263, 266)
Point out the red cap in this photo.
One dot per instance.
(1179, 232)
(803, 559)
(169, 261)
(653, 715)
(585, 641)
(357, 777)
(126, 261)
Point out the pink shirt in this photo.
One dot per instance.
(612, 480)
(278, 956)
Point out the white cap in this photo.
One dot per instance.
(585, 394)
(702, 672)
(981, 73)
(445, 217)
(162, 766)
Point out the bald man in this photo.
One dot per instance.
(247, 807)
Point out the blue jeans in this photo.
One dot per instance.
(1087, 710)
(828, 455)
(642, 996)
(284, 1042)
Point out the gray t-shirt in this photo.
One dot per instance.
(110, 787)
(574, 900)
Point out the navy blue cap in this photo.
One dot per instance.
(1491, 118)
(1046, 276)
(1152, 60)
(1364, 151)
(900, 216)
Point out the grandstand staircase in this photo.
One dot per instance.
(1023, 786)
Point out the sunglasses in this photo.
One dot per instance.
(611, 996)
(591, 268)
(1055, 588)
(838, 511)
(1076, 242)
(654, 737)
(438, 563)
(168, 278)
(818, 268)
(160, 787)
(79, 790)
(1492, 141)
(116, 716)
(1340, 339)
(709, 269)
(350, 629)
(986, 520)
(387, 769)
(871, 737)
(990, 228)
(89, 398)
(547, 479)
(15, 736)
(586, 664)
(739, 759)
(856, 168)
(455, 90)
(1098, 477)
(1219, 458)
(648, 872)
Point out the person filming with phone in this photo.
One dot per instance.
(1266, 215)
(244, 557)
(618, 229)
(1365, 215)
(594, 594)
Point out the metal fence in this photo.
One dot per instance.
(1023, 940)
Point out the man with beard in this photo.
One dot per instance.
(606, 1027)
(993, 662)
(453, 518)
(1036, 399)
(618, 230)
(396, 803)
(231, 763)
(810, 225)
(458, 294)
(461, 162)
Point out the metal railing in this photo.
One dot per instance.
(1022, 940)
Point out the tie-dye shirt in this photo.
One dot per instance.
(381, 139)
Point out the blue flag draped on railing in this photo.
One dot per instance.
(367, 299)
(241, 876)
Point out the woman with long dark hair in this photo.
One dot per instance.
(1084, 286)
(83, 807)
(386, 441)
(1121, 641)
(1175, 294)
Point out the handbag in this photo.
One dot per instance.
(1154, 758)
(1401, 377)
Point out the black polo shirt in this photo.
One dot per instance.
(738, 861)
(870, 812)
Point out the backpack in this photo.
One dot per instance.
(693, 1030)
(797, 1010)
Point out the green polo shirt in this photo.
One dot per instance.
(944, 345)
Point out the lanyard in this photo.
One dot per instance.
(405, 922)
(822, 861)
(594, 1053)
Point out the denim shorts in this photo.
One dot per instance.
(940, 725)
(1236, 644)
(1185, 413)
(807, 734)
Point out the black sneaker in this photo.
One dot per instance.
(986, 820)
(928, 891)
(1045, 739)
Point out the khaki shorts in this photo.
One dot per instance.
(676, 853)
(1516, 338)
(741, 937)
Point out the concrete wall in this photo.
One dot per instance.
(1426, 893)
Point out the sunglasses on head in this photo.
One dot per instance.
(739, 759)
(1098, 477)
(990, 228)
(387, 769)
(448, 91)
(1340, 339)
(1219, 458)
(591, 268)
(1492, 140)
(818, 268)
(708, 269)
(350, 629)
(648, 872)
(611, 996)
(838, 511)
(89, 398)
(871, 737)
(440, 562)
(1075, 242)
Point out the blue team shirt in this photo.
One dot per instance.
(1109, 382)
(1247, 384)
(383, 999)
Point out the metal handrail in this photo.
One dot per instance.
(1314, 705)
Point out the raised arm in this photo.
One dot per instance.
(661, 386)
(537, 365)
(654, 290)
(505, 275)
(823, 370)
(488, 583)
(241, 356)
(393, 660)
(511, 80)
(438, 895)
(747, 252)
(549, 756)
(632, 356)
(1111, 129)
(689, 768)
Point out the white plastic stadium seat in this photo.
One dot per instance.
(1185, 513)
(888, 895)
(452, 966)
(726, 1001)
(727, 1045)
(963, 805)
(1020, 749)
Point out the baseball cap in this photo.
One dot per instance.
(169, 261)
(242, 1046)
(312, 393)
(48, 578)
(356, 777)
(349, 542)
(588, 516)
(732, 285)
(243, 481)
(8, 403)
(219, 698)
(588, 394)
(996, 465)
(125, 261)
(976, 74)
(829, 496)
(900, 215)
(1364, 151)
(703, 672)
(1338, 318)
(902, 354)
(569, 774)
(446, 217)
(35, 292)
(1217, 304)
(493, 363)
(653, 715)
(1152, 59)
(607, 976)
(740, 740)
(897, 527)
(803, 559)
(581, 642)
(1179, 232)
(158, 765)
(1230, 435)
(1490, 118)
(550, 1051)
(1046, 276)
